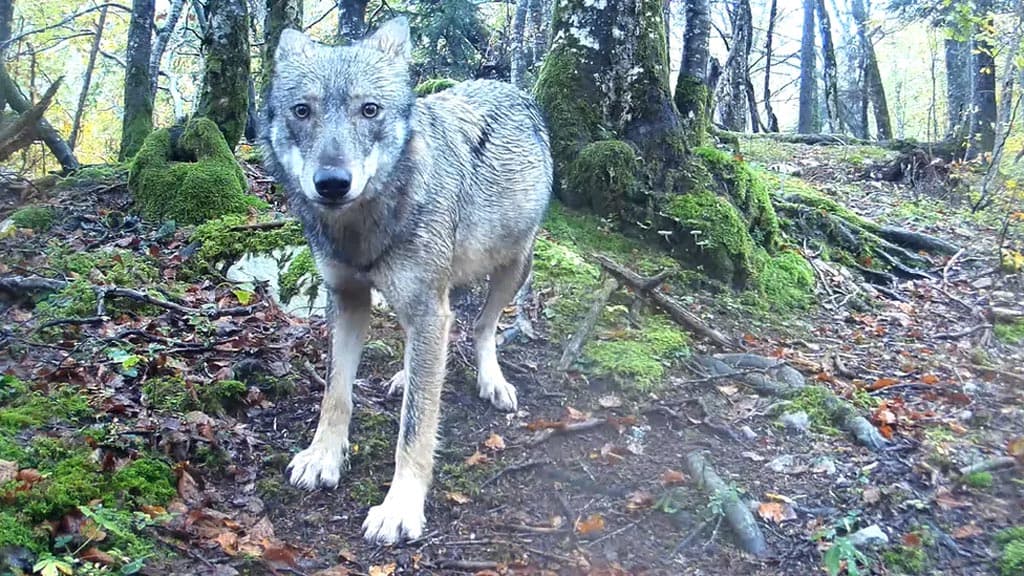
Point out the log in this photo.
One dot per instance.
(24, 130)
(681, 315)
(53, 140)
(575, 346)
(737, 515)
(916, 240)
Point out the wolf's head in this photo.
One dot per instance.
(337, 118)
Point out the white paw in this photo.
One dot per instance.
(495, 389)
(397, 383)
(318, 466)
(399, 517)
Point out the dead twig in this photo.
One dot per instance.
(575, 346)
(261, 226)
(547, 433)
(961, 333)
(949, 264)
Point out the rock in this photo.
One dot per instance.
(965, 415)
(798, 422)
(782, 464)
(824, 465)
(870, 536)
(982, 283)
(748, 432)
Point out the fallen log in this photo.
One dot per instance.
(737, 515)
(49, 135)
(24, 130)
(575, 346)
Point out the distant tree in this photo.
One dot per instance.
(773, 121)
(281, 14)
(83, 94)
(518, 48)
(733, 101)
(693, 90)
(138, 99)
(225, 92)
(6, 15)
(872, 76)
(808, 120)
(959, 89)
(983, 132)
(163, 36)
(829, 69)
(351, 19)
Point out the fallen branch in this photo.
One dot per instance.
(24, 130)
(575, 346)
(670, 306)
(262, 225)
(997, 463)
(962, 333)
(21, 285)
(737, 514)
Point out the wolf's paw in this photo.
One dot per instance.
(398, 517)
(495, 389)
(397, 383)
(318, 466)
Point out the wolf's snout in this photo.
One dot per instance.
(332, 183)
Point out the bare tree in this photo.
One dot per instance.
(163, 35)
(138, 98)
(87, 80)
(873, 86)
(773, 121)
(829, 68)
(733, 100)
(808, 122)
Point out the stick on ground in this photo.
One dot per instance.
(575, 346)
(737, 515)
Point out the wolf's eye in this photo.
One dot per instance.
(301, 111)
(370, 110)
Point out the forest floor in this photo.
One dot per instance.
(590, 476)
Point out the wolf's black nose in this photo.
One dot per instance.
(332, 183)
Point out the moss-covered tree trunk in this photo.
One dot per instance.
(693, 94)
(281, 14)
(225, 96)
(137, 121)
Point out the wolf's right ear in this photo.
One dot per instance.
(392, 38)
(292, 44)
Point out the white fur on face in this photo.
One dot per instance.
(291, 160)
(363, 173)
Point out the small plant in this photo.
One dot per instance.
(37, 218)
(978, 480)
(844, 553)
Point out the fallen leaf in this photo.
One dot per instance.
(153, 511)
(187, 488)
(871, 495)
(97, 556)
(457, 497)
(593, 523)
(966, 531)
(957, 428)
(613, 454)
(779, 497)
(279, 555)
(385, 570)
(882, 383)
(639, 500)
(576, 415)
(544, 425)
(348, 556)
(228, 542)
(1016, 449)
(946, 501)
(777, 512)
(91, 531)
(672, 477)
(728, 389)
(609, 401)
(477, 458)
(929, 379)
(495, 442)
(911, 540)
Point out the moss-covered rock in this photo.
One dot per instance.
(602, 176)
(301, 276)
(785, 281)
(433, 86)
(174, 394)
(714, 235)
(145, 482)
(38, 218)
(1011, 557)
(189, 192)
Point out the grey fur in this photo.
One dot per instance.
(446, 189)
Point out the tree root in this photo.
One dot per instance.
(997, 463)
(575, 346)
(737, 514)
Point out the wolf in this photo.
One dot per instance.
(409, 196)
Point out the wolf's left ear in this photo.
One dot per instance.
(392, 38)
(292, 44)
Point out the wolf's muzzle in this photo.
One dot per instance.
(332, 184)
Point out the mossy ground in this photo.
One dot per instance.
(37, 218)
(174, 394)
(224, 240)
(1011, 551)
(1010, 332)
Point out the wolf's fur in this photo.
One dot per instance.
(444, 190)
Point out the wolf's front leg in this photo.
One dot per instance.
(321, 463)
(401, 513)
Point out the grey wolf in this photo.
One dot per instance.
(411, 197)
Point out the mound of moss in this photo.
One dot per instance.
(604, 172)
(1011, 543)
(433, 86)
(174, 394)
(190, 179)
(38, 218)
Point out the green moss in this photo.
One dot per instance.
(38, 218)
(433, 86)
(302, 269)
(92, 175)
(145, 481)
(115, 267)
(719, 239)
(978, 480)
(602, 176)
(460, 478)
(905, 559)
(692, 97)
(73, 482)
(14, 532)
(1010, 333)
(223, 395)
(813, 401)
(188, 192)
(174, 394)
(31, 408)
(1011, 543)
(135, 131)
(637, 359)
(748, 189)
(366, 492)
(784, 281)
(221, 243)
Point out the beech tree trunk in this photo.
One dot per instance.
(225, 94)
(693, 91)
(773, 121)
(87, 80)
(983, 132)
(138, 97)
(732, 106)
(829, 69)
(281, 14)
(808, 116)
(163, 35)
(518, 48)
(351, 19)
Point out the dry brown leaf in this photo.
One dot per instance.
(728, 389)
(228, 542)
(672, 477)
(929, 379)
(495, 442)
(946, 501)
(613, 454)
(457, 497)
(544, 425)
(97, 556)
(477, 458)
(576, 415)
(882, 383)
(385, 570)
(911, 540)
(347, 555)
(279, 555)
(188, 490)
(593, 523)
(639, 500)
(91, 531)
(871, 495)
(777, 512)
(153, 511)
(966, 531)
(1015, 448)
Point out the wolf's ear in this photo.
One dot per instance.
(392, 38)
(292, 43)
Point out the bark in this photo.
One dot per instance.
(351, 19)
(83, 95)
(53, 140)
(281, 14)
(693, 91)
(958, 87)
(518, 55)
(138, 100)
(6, 15)
(983, 132)
(773, 121)
(225, 95)
(829, 68)
(872, 76)
(163, 35)
(25, 129)
(539, 22)
(808, 121)
(732, 107)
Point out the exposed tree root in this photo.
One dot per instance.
(575, 346)
(997, 463)
(737, 514)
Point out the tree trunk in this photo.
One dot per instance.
(773, 121)
(958, 87)
(732, 107)
(138, 99)
(808, 122)
(539, 22)
(87, 80)
(53, 140)
(281, 14)
(6, 15)
(829, 68)
(872, 76)
(163, 35)
(983, 133)
(225, 96)
(693, 92)
(518, 56)
(351, 20)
